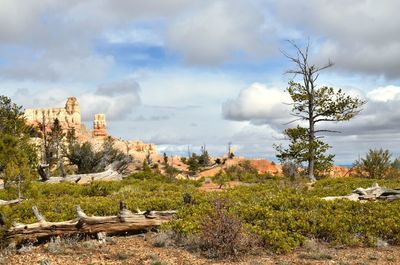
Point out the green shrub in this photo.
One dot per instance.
(376, 164)
(281, 214)
(284, 217)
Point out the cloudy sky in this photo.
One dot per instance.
(193, 72)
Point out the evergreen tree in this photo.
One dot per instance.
(204, 158)
(193, 163)
(55, 147)
(18, 158)
(313, 105)
(165, 159)
(84, 157)
(109, 154)
(145, 166)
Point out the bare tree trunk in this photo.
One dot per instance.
(311, 136)
(311, 162)
(43, 171)
(19, 187)
(43, 168)
(61, 167)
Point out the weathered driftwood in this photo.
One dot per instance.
(16, 201)
(125, 221)
(371, 194)
(112, 172)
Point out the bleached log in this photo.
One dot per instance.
(352, 197)
(81, 214)
(369, 194)
(125, 221)
(38, 215)
(114, 171)
(11, 202)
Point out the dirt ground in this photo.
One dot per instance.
(142, 250)
(210, 186)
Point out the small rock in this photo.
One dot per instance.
(380, 243)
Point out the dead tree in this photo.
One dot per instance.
(125, 221)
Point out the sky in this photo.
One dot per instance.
(186, 73)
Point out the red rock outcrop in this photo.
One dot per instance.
(265, 166)
(340, 172)
(100, 126)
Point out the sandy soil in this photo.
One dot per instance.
(141, 250)
(211, 186)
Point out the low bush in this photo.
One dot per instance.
(245, 172)
(222, 233)
(375, 164)
(290, 169)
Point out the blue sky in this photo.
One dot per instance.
(180, 72)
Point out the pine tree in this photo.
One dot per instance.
(55, 147)
(18, 157)
(313, 105)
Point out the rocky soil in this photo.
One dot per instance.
(147, 249)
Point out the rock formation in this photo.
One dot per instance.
(69, 116)
(137, 149)
(100, 126)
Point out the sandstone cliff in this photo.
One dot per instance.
(70, 118)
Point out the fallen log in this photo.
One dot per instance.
(16, 201)
(373, 193)
(125, 221)
(114, 171)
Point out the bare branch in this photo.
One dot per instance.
(299, 116)
(325, 119)
(330, 131)
(299, 119)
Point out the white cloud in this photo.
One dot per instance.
(135, 36)
(58, 67)
(360, 36)
(186, 87)
(259, 104)
(216, 32)
(385, 94)
(117, 100)
(19, 17)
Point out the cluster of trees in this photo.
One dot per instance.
(198, 162)
(18, 159)
(170, 170)
(243, 172)
(87, 159)
(60, 147)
